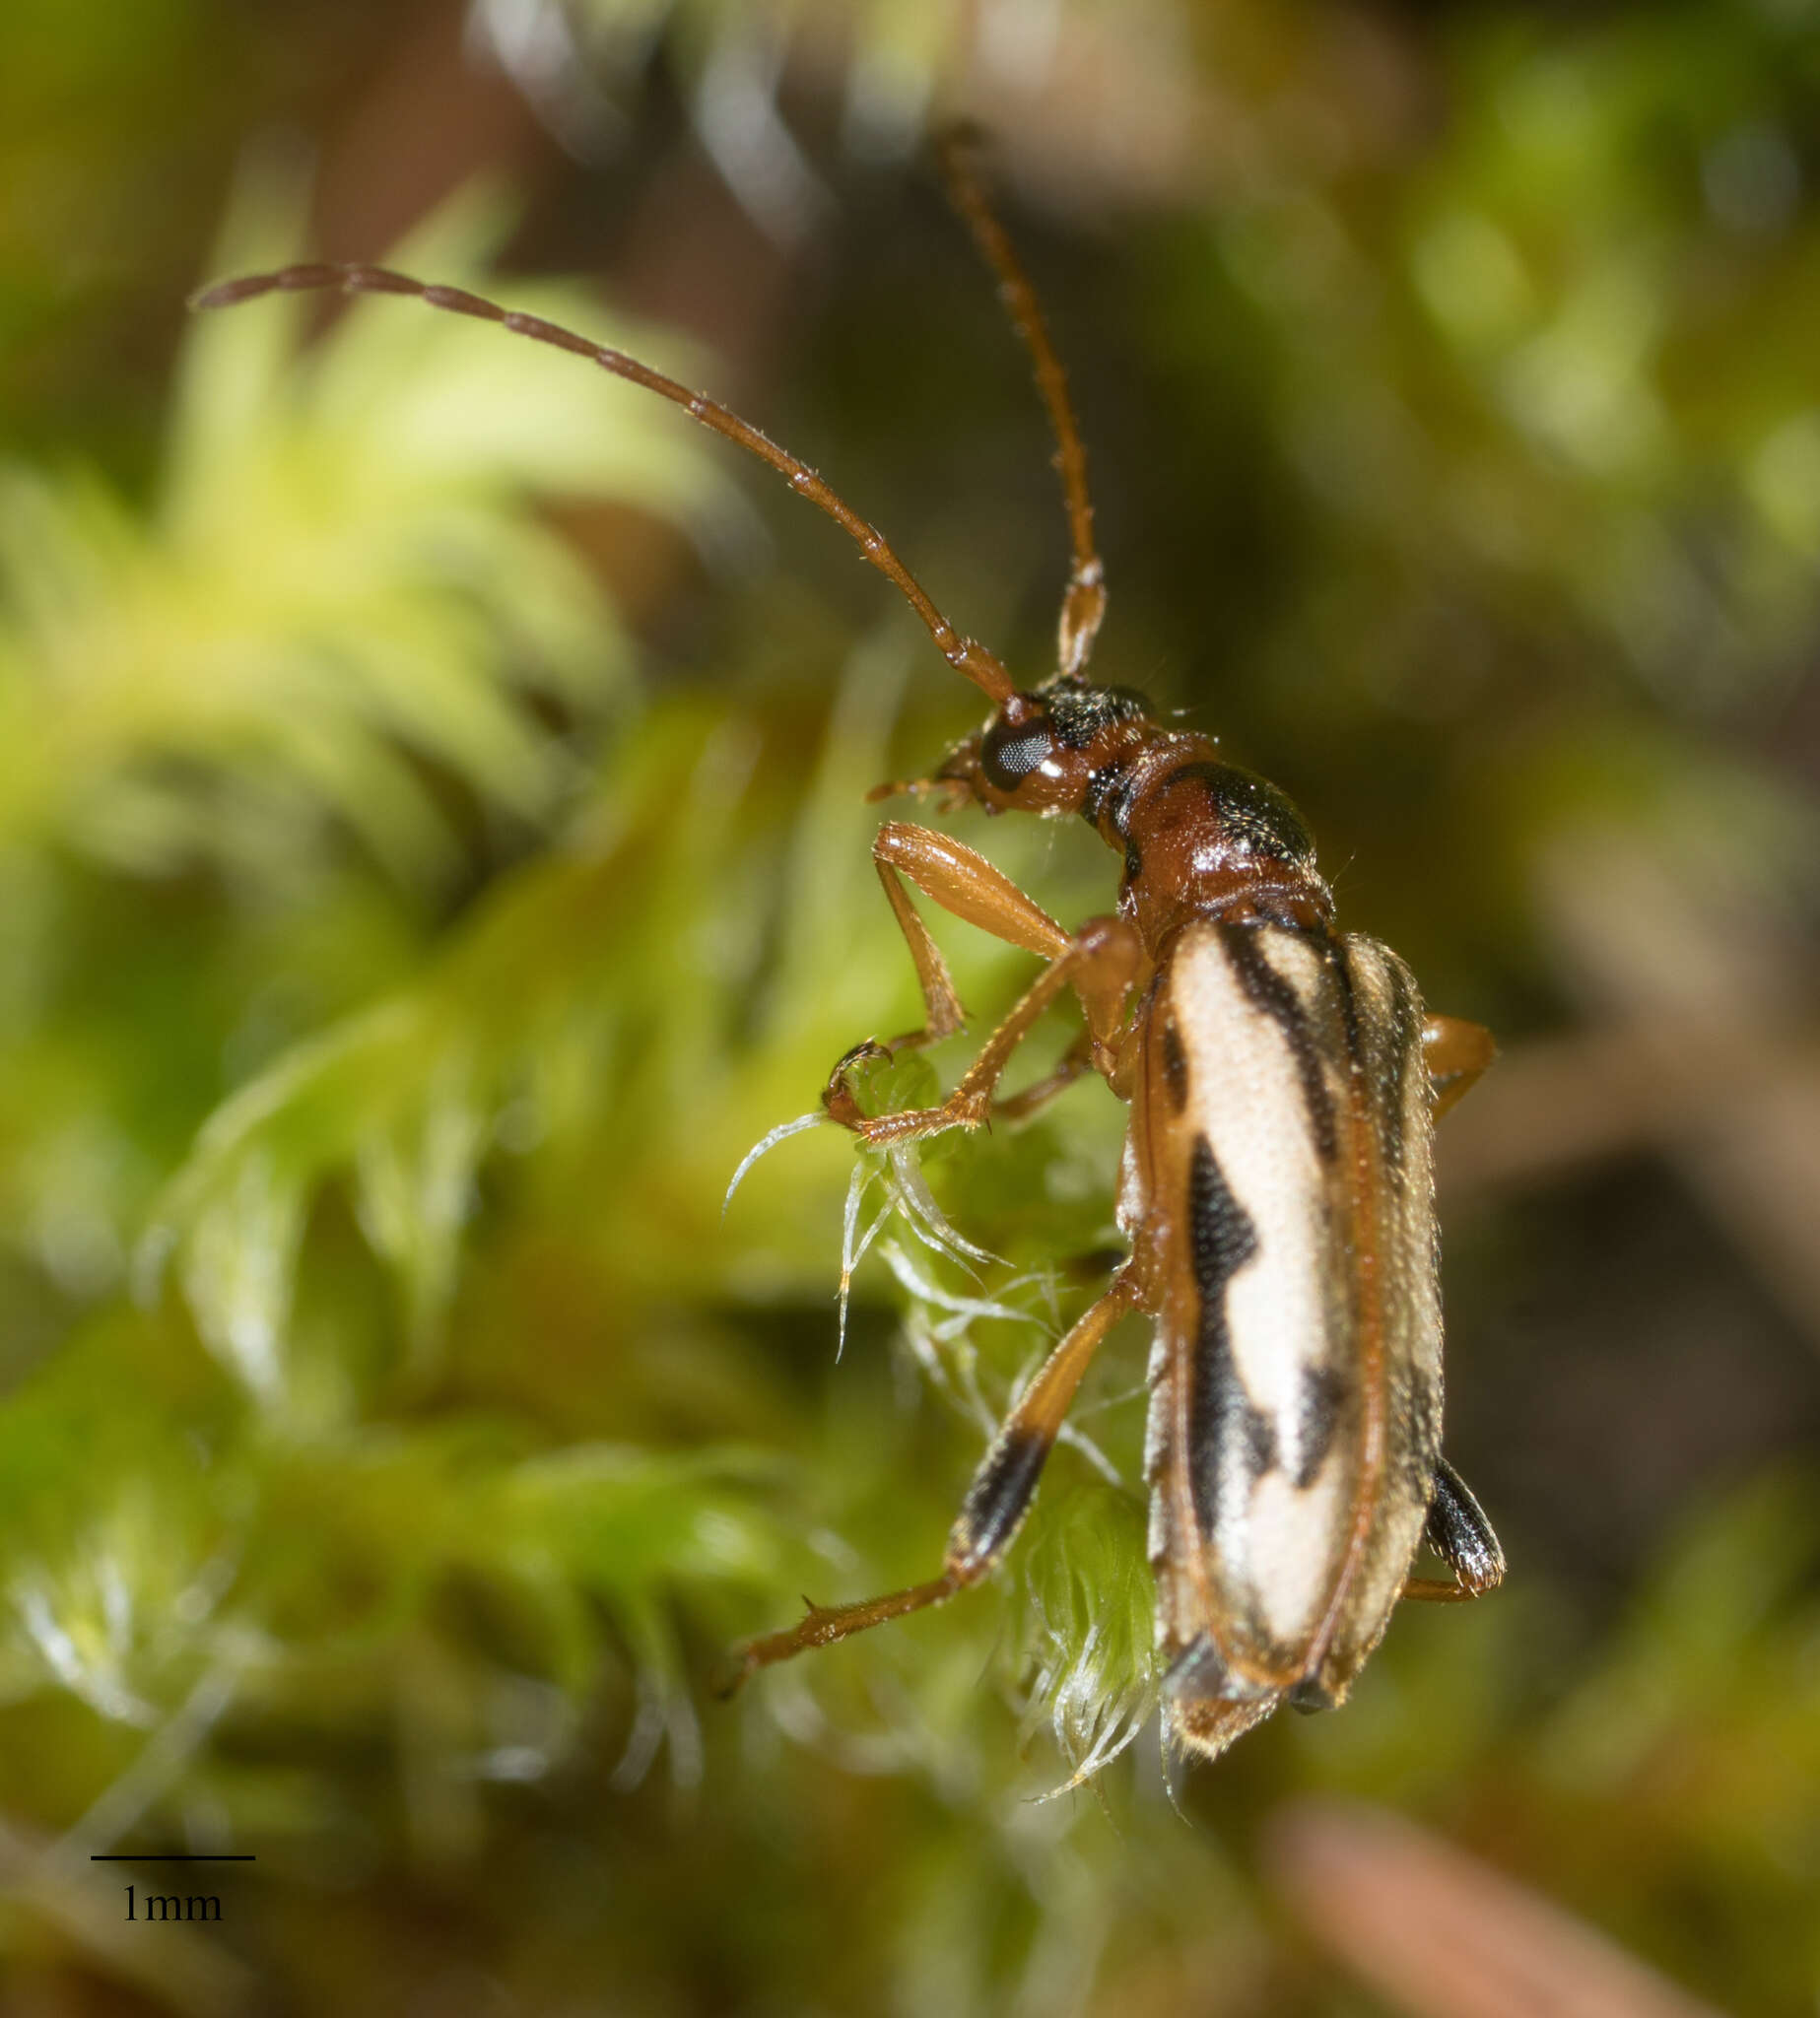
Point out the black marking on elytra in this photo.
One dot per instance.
(1458, 1532)
(1310, 1695)
(1222, 1237)
(1175, 1064)
(1325, 1391)
(1221, 1416)
(1257, 816)
(1260, 1451)
(1267, 989)
(1352, 1034)
(999, 1496)
(1382, 1057)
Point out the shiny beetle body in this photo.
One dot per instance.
(1277, 1185)
(1277, 1191)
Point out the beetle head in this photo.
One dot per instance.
(1039, 751)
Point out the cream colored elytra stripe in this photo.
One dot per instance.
(1260, 1040)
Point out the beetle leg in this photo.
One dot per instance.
(1099, 964)
(1075, 1063)
(970, 1101)
(968, 886)
(995, 1504)
(1460, 1536)
(1457, 1053)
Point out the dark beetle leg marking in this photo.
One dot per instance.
(1007, 1481)
(1000, 1495)
(997, 1502)
(1460, 1536)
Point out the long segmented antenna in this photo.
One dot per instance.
(966, 655)
(1084, 603)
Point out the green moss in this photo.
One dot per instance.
(408, 926)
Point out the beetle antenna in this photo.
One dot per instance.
(966, 655)
(1084, 602)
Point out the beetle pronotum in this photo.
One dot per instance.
(1277, 1184)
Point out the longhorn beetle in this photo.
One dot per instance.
(1277, 1184)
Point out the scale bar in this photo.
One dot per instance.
(173, 1856)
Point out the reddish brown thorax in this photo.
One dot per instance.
(1200, 837)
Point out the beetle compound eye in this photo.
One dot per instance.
(1009, 755)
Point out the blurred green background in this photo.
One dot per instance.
(433, 851)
